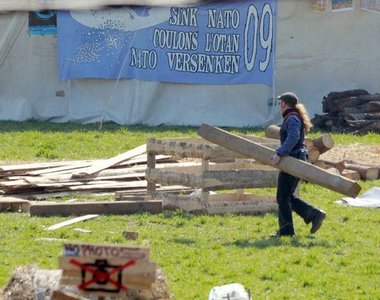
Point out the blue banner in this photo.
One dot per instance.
(213, 43)
(42, 22)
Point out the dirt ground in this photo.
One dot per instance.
(356, 152)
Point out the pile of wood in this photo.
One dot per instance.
(354, 111)
(38, 181)
(316, 147)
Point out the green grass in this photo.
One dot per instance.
(197, 252)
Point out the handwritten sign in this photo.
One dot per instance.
(106, 270)
(105, 251)
(214, 43)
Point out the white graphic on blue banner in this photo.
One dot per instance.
(214, 43)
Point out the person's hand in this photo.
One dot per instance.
(275, 160)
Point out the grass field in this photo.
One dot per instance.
(197, 252)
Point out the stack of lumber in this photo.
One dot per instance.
(37, 181)
(353, 111)
(316, 147)
(219, 169)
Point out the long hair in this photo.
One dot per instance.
(304, 115)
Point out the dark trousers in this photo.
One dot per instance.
(287, 202)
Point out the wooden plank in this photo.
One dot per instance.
(110, 162)
(64, 295)
(237, 179)
(11, 204)
(101, 208)
(173, 178)
(242, 207)
(35, 166)
(185, 202)
(139, 275)
(199, 148)
(142, 160)
(70, 222)
(252, 203)
(142, 193)
(142, 267)
(31, 5)
(196, 168)
(54, 187)
(216, 180)
(245, 197)
(109, 186)
(289, 165)
(53, 179)
(70, 167)
(151, 164)
(114, 251)
(132, 282)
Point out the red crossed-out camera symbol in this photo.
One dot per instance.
(100, 275)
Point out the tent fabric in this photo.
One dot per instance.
(30, 89)
(315, 54)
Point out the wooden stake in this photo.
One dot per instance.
(366, 173)
(151, 164)
(273, 132)
(323, 143)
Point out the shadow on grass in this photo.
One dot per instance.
(284, 241)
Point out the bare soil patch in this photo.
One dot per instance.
(369, 154)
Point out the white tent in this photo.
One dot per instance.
(316, 53)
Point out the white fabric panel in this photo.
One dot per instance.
(316, 54)
(319, 53)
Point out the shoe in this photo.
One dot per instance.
(278, 234)
(316, 223)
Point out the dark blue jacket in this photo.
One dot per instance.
(292, 134)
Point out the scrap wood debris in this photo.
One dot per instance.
(37, 181)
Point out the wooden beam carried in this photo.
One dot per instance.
(289, 165)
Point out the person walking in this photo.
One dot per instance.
(292, 134)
